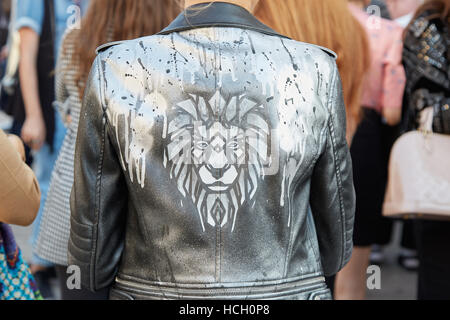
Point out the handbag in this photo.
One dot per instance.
(419, 176)
(16, 280)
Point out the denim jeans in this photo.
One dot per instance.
(44, 161)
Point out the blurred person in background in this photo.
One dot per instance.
(5, 12)
(402, 11)
(330, 24)
(383, 8)
(41, 25)
(382, 103)
(212, 162)
(9, 57)
(105, 21)
(19, 204)
(426, 58)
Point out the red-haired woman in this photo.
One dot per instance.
(338, 30)
(105, 21)
(382, 104)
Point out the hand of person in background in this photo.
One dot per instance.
(18, 145)
(392, 116)
(34, 129)
(34, 132)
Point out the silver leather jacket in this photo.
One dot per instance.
(211, 162)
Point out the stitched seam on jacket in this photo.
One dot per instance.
(290, 245)
(322, 143)
(322, 139)
(338, 171)
(309, 238)
(221, 285)
(98, 184)
(73, 244)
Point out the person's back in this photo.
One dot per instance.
(207, 158)
(426, 57)
(385, 80)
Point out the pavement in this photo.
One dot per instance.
(396, 283)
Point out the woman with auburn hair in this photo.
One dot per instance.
(426, 56)
(382, 105)
(330, 24)
(105, 21)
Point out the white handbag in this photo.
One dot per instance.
(419, 174)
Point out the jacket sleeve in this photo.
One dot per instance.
(19, 191)
(99, 194)
(332, 193)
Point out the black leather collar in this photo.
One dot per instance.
(217, 14)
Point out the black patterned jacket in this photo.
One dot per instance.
(426, 58)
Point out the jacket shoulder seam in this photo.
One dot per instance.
(106, 46)
(330, 52)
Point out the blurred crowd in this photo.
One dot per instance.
(393, 59)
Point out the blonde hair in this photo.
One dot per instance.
(328, 23)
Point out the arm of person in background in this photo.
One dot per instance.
(61, 93)
(97, 204)
(33, 130)
(29, 19)
(394, 79)
(332, 193)
(392, 116)
(4, 53)
(19, 190)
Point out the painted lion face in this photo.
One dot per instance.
(216, 151)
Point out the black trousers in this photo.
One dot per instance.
(433, 242)
(370, 151)
(408, 240)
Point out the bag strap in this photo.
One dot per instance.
(8, 241)
(426, 120)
